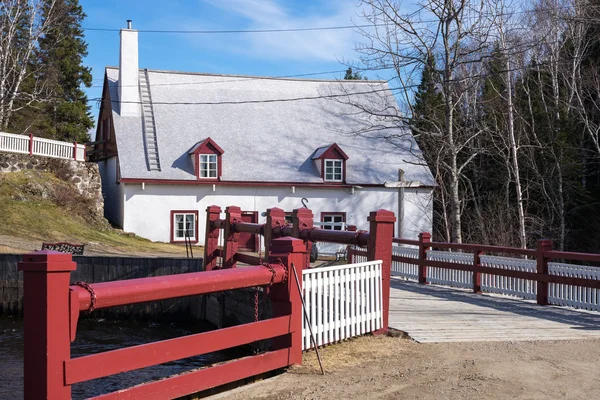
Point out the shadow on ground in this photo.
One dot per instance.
(581, 319)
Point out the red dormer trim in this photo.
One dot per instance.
(207, 146)
(333, 152)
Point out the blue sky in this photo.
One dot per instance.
(265, 54)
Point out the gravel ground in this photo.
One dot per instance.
(395, 368)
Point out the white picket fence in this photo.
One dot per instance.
(405, 270)
(343, 301)
(504, 285)
(574, 296)
(22, 144)
(558, 294)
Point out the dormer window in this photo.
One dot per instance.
(330, 161)
(206, 157)
(208, 166)
(334, 170)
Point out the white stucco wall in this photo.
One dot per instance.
(418, 212)
(147, 211)
(112, 191)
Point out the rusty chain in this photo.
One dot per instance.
(92, 294)
(256, 304)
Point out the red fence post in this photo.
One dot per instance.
(303, 219)
(31, 144)
(349, 251)
(75, 151)
(233, 214)
(47, 346)
(379, 247)
(285, 296)
(424, 240)
(211, 239)
(543, 245)
(476, 274)
(275, 218)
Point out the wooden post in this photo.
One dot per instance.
(211, 239)
(233, 214)
(476, 274)
(543, 245)
(303, 219)
(285, 296)
(47, 344)
(424, 240)
(379, 247)
(31, 144)
(275, 219)
(75, 151)
(349, 251)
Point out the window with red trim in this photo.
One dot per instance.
(184, 226)
(334, 170)
(207, 159)
(208, 166)
(333, 220)
(331, 163)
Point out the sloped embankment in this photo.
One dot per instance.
(52, 200)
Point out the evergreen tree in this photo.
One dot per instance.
(66, 116)
(353, 76)
(428, 107)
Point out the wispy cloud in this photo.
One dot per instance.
(329, 45)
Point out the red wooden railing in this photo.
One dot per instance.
(543, 255)
(378, 239)
(53, 309)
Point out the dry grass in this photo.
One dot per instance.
(37, 206)
(348, 354)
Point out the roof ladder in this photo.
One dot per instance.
(149, 126)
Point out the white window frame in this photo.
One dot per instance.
(176, 229)
(210, 159)
(332, 168)
(333, 219)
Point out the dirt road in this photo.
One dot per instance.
(394, 368)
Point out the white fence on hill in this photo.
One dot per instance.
(36, 146)
(558, 294)
(342, 301)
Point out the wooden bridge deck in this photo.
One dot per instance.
(430, 313)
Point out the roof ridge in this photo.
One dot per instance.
(160, 71)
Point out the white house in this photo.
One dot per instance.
(169, 144)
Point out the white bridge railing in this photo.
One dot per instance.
(558, 294)
(343, 301)
(9, 142)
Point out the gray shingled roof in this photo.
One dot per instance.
(266, 141)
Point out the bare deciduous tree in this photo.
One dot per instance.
(22, 25)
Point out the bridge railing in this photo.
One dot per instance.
(53, 309)
(542, 274)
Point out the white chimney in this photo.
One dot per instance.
(129, 93)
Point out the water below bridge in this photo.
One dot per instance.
(95, 336)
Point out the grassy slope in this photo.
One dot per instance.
(31, 210)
